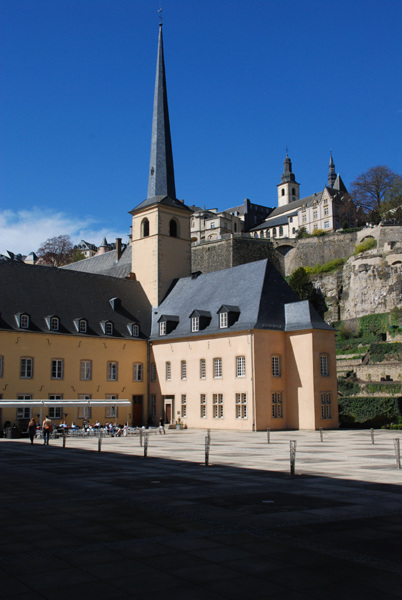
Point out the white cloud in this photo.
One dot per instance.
(23, 231)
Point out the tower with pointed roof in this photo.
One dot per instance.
(331, 172)
(288, 188)
(161, 246)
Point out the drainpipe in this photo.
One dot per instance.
(254, 411)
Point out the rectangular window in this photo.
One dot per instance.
(84, 412)
(324, 365)
(304, 219)
(57, 371)
(86, 370)
(137, 371)
(24, 412)
(276, 366)
(326, 405)
(195, 324)
(183, 405)
(223, 320)
(203, 406)
(55, 412)
(315, 215)
(217, 406)
(26, 368)
(168, 371)
(203, 369)
(217, 368)
(326, 225)
(183, 369)
(24, 321)
(111, 412)
(112, 371)
(153, 404)
(326, 211)
(1, 366)
(153, 372)
(240, 366)
(241, 406)
(277, 405)
(162, 328)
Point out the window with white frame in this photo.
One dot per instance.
(82, 326)
(137, 371)
(24, 412)
(24, 321)
(55, 412)
(217, 406)
(26, 368)
(183, 405)
(84, 412)
(304, 218)
(136, 330)
(1, 365)
(217, 368)
(112, 411)
(277, 405)
(326, 405)
(183, 369)
(203, 406)
(108, 328)
(326, 225)
(240, 366)
(195, 323)
(57, 368)
(54, 324)
(241, 406)
(112, 371)
(162, 328)
(168, 371)
(276, 365)
(153, 404)
(326, 211)
(324, 365)
(223, 320)
(153, 372)
(203, 368)
(315, 214)
(86, 370)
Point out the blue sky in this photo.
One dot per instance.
(245, 79)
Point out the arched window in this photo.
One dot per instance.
(145, 228)
(173, 228)
(293, 192)
(283, 192)
(280, 231)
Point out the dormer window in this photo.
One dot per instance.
(167, 323)
(134, 329)
(195, 324)
(22, 320)
(107, 327)
(52, 322)
(228, 315)
(200, 319)
(81, 325)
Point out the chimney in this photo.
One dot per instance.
(118, 249)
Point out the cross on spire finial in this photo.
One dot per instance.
(160, 14)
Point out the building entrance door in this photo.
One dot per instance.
(136, 420)
(169, 407)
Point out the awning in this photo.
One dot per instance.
(47, 403)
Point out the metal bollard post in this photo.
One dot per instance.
(64, 437)
(100, 441)
(372, 435)
(268, 435)
(141, 438)
(321, 435)
(206, 451)
(292, 456)
(146, 446)
(397, 453)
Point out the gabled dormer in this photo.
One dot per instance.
(53, 322)
(107, 327)
(228, 315)
(133, 329)
(167, 324)
(200, 319)
(81, 325)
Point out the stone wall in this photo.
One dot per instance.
(320, 250)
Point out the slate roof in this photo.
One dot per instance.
(257, 289)
(275, 222)
(48, 291)
(105, 264)
(165, 200)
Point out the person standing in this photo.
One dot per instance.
(161, 426)
(32, 429)
(47, 428)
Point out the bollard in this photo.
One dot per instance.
(397, 453)
(268, 435)
(292, 456)
(64, 437)
(209, 436)
(321, 435)
(372, 435)
(100, 441)
(146, 446)
(206, 451)
(141, 438)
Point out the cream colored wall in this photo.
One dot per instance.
(192, 350)
(72, 349)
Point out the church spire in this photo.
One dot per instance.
(161, 172)
(331, 172)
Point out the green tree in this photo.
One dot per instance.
(300, 283)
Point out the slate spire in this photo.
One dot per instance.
(161, 171)
(331, 172)
(287, 174)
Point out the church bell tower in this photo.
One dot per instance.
(161, 244)
(288, 188)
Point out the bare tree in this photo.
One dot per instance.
(56, 251)
(370, 189)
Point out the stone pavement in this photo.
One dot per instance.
(76, 523)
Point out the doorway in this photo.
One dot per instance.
(137, 411)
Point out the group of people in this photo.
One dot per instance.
(47, 428)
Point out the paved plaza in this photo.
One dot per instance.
(79, 523)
